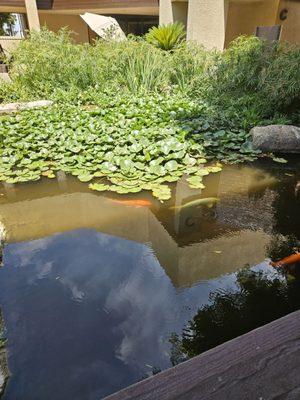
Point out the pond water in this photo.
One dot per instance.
(97, 293)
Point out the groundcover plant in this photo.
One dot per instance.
(125, 147)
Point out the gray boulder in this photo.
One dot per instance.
(14, 107)
(276, 138)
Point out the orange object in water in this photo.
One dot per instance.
(293, 259)
(133, 203)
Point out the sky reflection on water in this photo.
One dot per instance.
(91, 291)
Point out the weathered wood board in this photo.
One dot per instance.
(263, 364)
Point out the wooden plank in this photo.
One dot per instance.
(263, 364)
(12, 3)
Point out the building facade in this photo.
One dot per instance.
(215, 23)
(212, 23)
(134, 16)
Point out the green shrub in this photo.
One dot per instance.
(188, 68)
(48, 62)
(269, 72)
(166, 37)
(251, 81)
(143, 67)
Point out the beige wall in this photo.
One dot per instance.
(165, 12)
(56, 21)
(215, 23)
(180, 11)
(9, 43)
(205, 19)
(290, 26)
(207, 22)
(244, 16)
(171, 11)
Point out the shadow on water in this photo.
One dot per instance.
(97, 294)
(259, 299)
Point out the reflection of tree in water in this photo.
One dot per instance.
(259, 299)
(286, 208)
(282, 246)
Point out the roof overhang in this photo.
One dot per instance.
(136, 7)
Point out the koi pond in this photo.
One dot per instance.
(99, 291)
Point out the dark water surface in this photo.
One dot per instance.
(97, 295)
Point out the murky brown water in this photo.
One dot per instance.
(97, 294)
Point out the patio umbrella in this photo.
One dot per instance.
(105, 27)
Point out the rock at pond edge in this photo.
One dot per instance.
(276, 138)
(15, 107)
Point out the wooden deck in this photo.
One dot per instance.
(263, 364)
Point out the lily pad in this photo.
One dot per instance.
(99, 187)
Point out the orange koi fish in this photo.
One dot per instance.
(293, 259)
(133, 203)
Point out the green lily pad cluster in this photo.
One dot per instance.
(222, 140)
(124, 145)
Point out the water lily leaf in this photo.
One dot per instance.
(195, 182)
(166, 148)
(135, 148)
(49, 174)
(108, 167)
(99, 187)
(157, 170)
(214, 169)
(171, 165)
(139, 165)
(75, 150)
(98, 174)
(189, 160)
(85, 177)
(170, 178)
(156, 161)
(202, 171)
(162, 192)
(126, 164)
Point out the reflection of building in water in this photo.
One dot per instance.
(197, 243)
(246, 202)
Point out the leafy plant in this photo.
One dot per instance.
(130, 117)
(263, 71)
(166, 37)
(127, 146)
(143, 68)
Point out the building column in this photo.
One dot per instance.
(207, 22)
(32, 15)
(165, 12)
(173, 11)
